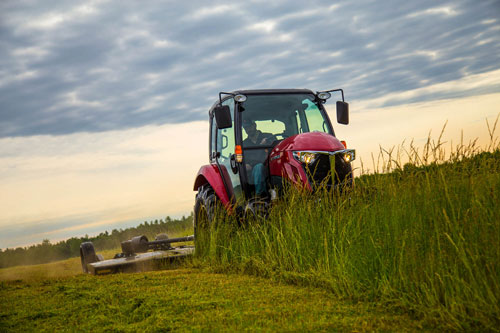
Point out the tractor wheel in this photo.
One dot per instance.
(256, 210)
(204, 211)
(87, 255)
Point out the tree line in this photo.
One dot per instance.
(46, 251)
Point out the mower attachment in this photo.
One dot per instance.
(132, 260)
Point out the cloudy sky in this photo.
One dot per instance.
(103, 104)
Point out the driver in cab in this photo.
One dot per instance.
(255, 158)
(256, 137)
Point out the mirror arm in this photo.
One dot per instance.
(223, 93)
(333, 90)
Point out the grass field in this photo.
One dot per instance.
(422, 236)
(413, 246)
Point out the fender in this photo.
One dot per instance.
(210, 174)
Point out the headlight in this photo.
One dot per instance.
(240, 98)
(324, 95)
(349, 156)
(304, 156)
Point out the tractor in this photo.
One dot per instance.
(261, 140)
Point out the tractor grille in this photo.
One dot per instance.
(343, 169)
(319, 174)
(318, 171)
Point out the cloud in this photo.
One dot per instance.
(68, 68)
(477, 84)
(446, 11)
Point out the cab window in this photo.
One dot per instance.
(275, 127)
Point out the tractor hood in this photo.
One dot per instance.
(316, 141)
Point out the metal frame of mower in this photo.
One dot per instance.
(138, 254)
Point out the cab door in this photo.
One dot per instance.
(224, 142)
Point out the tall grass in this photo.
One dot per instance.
(422, 236)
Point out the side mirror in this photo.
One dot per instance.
(223, 116)
(342, 113)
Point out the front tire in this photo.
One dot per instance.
(204, 214)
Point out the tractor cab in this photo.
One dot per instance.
(261, 138)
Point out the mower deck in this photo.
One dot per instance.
(140, 262)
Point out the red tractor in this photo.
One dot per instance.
(262, 139)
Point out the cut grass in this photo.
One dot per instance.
(184, 300)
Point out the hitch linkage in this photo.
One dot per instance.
(141, 244)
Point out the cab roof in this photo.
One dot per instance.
(272, 91)
(264, 92)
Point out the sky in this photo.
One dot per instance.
(103, 104)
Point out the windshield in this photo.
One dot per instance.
(270, 118)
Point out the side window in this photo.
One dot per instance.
(225, 137)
